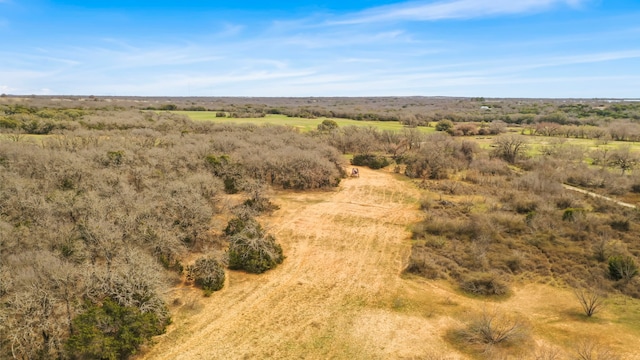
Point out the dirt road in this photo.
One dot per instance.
(592, 194)
(339, 293)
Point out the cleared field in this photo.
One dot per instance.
(298, 123)
(340, 294)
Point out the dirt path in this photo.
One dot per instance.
(338, 294)
(592, 194)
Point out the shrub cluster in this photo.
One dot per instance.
(622, 267)
(495, 327)
(207, 273)
(111, 331)
(372, 161)
(484, 284)
(439, 156)
(250, 247)
(520, 223)
(274, 155)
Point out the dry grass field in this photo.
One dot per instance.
(341, 294)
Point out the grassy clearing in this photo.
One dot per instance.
(626, 312)
(302, 124)
(536, 145)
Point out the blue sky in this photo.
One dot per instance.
(490, 48)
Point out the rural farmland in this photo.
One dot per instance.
(465, 236)
(347, 180)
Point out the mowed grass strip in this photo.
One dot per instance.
(302, 124)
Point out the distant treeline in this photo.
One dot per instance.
(413, 111)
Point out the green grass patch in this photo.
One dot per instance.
(302, 124)
(626, 311)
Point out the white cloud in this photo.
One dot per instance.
(452, 9)
(4, 89)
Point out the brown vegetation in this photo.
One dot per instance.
(94, 213)
(105, 208)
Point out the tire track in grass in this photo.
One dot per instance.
(344, 255)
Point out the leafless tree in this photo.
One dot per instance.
(509, 147)
(590, 349)
(591, 300)
(623, 159)
(547, 353)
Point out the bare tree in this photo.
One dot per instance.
(413, 137)
(547, 353)
(591, 300)
(623, 159)
(509, 147)
(592, 350)
(40, 308)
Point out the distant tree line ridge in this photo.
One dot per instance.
(569, 117)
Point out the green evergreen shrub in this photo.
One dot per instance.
(372, 161)
(111, 331)
(254, 253)
(207, 273)
(622, 267)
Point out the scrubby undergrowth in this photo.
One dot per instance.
(486, 225)
(98, 217)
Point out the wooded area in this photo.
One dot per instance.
(98, 219)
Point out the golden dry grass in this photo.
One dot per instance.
(341, 294)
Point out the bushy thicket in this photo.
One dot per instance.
(106, 214)
(526, 225)
(622, 267)
(368, 140)
(87, 217)
(274, 155)
(438, 156)
(371, 161)
(250, 247)
(111, 331)
(207, 273)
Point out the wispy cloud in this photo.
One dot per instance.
(360, 60)
(229, 30)
(341, 39)
(519, 65)
(125, 56)
(6, 89)
(377, 52)
(452, 9)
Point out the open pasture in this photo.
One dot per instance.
(302, 124)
